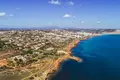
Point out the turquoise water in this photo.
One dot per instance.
(101, 60)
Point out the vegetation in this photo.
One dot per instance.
(24, 52)
(36, 50)
(4, 46)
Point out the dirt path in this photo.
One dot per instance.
(3, 62)
(41, 70)
(4, 55)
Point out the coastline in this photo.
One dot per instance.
(67, 56)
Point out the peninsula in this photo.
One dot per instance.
(36, 54)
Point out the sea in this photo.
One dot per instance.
(101, 60)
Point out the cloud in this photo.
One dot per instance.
(82, 22)
(67, 16)
(74, 16)
(56, 2)
(98, 22)
(70, 3)
(80, 4)
(74, 21)
(2, 14)
(11, 15)
(18, 8)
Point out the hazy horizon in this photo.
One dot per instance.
(60, 13)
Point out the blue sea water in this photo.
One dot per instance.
(101, 60)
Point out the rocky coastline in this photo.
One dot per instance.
(56, 67)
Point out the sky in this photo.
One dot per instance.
(60, 13)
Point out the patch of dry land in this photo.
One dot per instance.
(35, 54)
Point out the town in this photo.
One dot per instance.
(27, 54)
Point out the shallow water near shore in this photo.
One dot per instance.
(101, 60)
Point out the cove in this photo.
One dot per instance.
(101, 60)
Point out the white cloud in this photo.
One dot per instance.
(74, 21)
(18, 8)
(82, 22)
(70, 3)
(2, 14)
(98, 22)
(74, 16)
(56, 2)
(80, 4)
(67, 16)
(11, 15)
